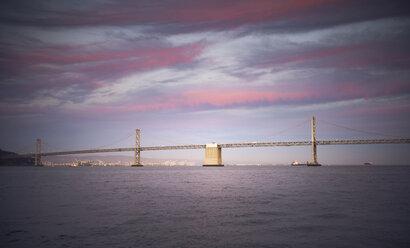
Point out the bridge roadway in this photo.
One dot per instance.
(234, 145)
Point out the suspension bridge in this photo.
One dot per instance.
(213, 151)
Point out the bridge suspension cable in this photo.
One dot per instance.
(27, 148)
(47, 146)
(162, 139)
(361, 131)
(283, 130)
(116, 141)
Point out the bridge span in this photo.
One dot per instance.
(213, 152)
(232, 145)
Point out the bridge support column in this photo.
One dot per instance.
(37, 158)
(137, 151)
(213, 155)
(314, 149)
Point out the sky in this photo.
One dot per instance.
(86, 74)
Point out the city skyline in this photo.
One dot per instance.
(81, 75)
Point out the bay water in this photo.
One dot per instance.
(233, 206)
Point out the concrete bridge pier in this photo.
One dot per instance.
(213, 155)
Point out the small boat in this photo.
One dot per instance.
(368, 163)
(296, 163)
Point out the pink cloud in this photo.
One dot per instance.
(187, 11)
(349, 56)
(225, 99)
(220, 99)
(395, 88)
(318, 54)
(212, 98)
(150, 59)
(392, 110)
(75, 55)
(87, 68)
(240, 10)
(377, 58)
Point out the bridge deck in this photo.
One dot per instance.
(233, 145)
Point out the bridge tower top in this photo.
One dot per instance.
(212, 144)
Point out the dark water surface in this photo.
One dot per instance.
(340, 206)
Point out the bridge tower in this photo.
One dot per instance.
(137, 148)
(213, 155)
(37, 158)
(314, 149)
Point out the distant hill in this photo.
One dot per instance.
(13, 159)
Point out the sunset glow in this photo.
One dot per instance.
(83, 75)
